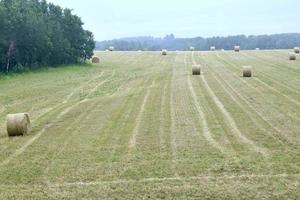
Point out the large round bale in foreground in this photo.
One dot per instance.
(247, 71)
(196, 70)
(212, 48)
(18, 124)
(297, 50)
(164, 52)
(292, 56)
(237, 48)
(111, 48)
(96, 59)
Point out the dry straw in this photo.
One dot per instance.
(292, 56)
(95, 59)
(164, 52)
(247, 71)
(212, 48)
(297, 50)
(18, 124)
(237, 48)
(196, 70)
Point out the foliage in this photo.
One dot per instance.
(35, 33)
(278, 41)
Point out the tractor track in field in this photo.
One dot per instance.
(279, 61)
(132, 141)
(248, 104)
(93, 90)
(267, 76)
(161, 117)
(200, 113)
(238, 95)
(292, 100)
(166, 179)
(67, 99)
(249, 85)
(41, 132)
(161, 114)
(172, 128)
(68, 137)
(230, 121)
(272, 125)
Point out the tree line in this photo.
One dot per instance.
(276, 41)
(35, 34)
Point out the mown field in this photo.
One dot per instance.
(140, 126)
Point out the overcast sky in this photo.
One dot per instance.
(109, 19)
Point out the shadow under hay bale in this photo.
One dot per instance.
(247, 71)
(196, 70)
(96, 60)
(18, 124)
(292, 56)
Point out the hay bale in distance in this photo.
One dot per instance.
(212, 48)
(18, 124)
(257, 49)
(192, 48)
(292, 56)
(111, 48)
(164, 52)
(96, 59)
(247, 71)
(297, 50)
(237, 48)
(196, 70)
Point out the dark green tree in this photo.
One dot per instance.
(34, 34)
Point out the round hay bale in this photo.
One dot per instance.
(222, 49)
(292, 56)
(111, 48)
(192, 48)
(212, 48)
(297, 50)
(106, 50)
(96, 59)
(18, 124)
(237, 48)
(247, 71)
(196, 70)
(164, 52)
(257, 49)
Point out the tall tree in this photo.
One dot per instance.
(35, 34)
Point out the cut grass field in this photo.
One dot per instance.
(140, 126)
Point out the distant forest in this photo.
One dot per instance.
(34, 34)
(276, 41)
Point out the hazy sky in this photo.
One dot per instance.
(109, 19)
